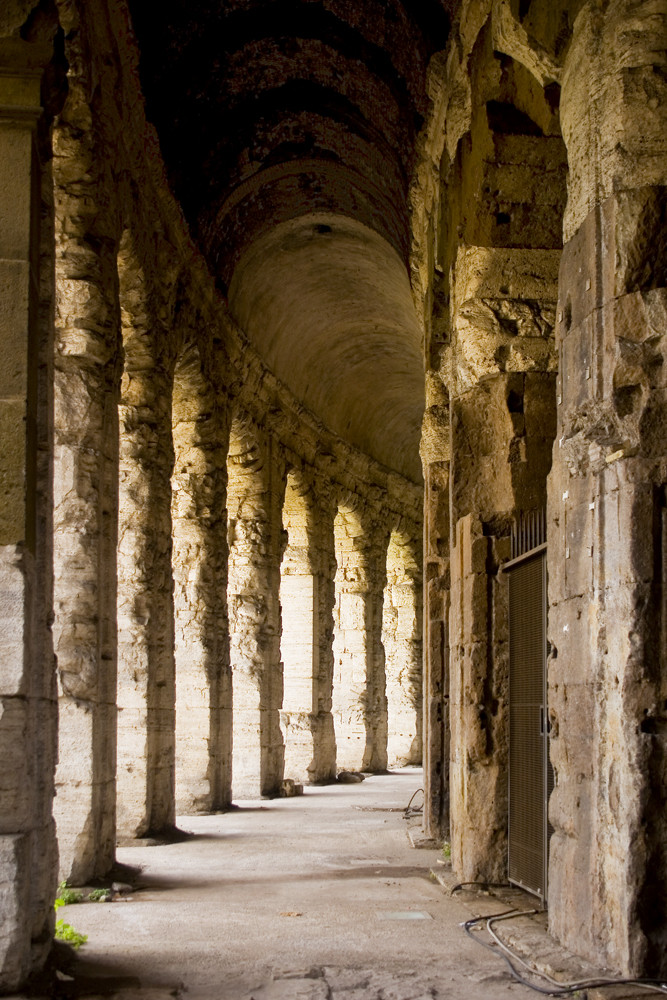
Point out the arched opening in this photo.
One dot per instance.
(402, 642)
(199, 564)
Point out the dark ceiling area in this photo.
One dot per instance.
(271, 114)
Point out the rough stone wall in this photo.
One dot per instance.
(401, 641)
(607, 678)
(256, 486)
(478, 705)
(493, 138)
(436, 715)
(27, 681)
(499, 368)
(199, 565)
(486, 278)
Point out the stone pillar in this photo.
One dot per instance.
(359, 695)
(298, 614)
(501, 378)
(435, 452)
(256, 484)
(146, 683)
(199, 563)
(27, 678)
(402, 644)
(324, 738)
(87, 382)
(306, 596)
(607, 507)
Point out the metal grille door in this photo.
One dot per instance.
(530, 770)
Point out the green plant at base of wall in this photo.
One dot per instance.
(65, 932)
(67, 896)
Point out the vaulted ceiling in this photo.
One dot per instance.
(288, 128)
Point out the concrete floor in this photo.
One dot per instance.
(320, 897)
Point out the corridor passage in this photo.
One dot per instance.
(320, 897)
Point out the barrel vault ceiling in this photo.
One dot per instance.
(288, 129)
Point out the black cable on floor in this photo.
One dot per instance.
(561, 991)
(409, 811)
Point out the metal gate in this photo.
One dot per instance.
(530, 771)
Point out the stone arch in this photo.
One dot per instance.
(402, 643)
(146, 694)
(199, 566)
(255, 489)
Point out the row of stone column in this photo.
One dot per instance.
(182, 686)
(143, 546)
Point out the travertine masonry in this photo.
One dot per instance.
(306, 601)
(607, 680)
(199, 565)
(401, 640)
(27, 679)
(359, 698)
(256, 485)
(86, 386)
(255, 234)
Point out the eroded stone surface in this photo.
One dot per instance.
(321, 154)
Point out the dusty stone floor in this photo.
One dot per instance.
(320, 897)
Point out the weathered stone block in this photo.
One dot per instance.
(576, 375)
(13, 679)
(15, 910)
(15, 282)
(16, 192)
(16, 801)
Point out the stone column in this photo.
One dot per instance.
(402, 644)
(146, 683)
(501, 378)
(256, 484)
(435, 452)
(27, 679)
(87, 382)
(298, 614)
(324, 739)
(359, 696)
(307, 598)
(199, 563)
(607, 507)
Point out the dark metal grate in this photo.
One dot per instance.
(528, 778)
(529, 531)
